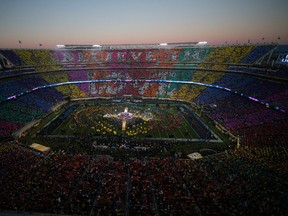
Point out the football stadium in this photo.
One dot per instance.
(144, 129)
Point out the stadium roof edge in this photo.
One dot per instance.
(130, 46)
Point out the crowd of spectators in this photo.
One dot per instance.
(256, 53)
(247, 181)
(48, 60)
(255, 124)
(21, 110)
(214, 61)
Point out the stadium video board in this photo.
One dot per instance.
(284, 59)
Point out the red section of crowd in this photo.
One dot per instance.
(242, 182)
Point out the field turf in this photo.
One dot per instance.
(167, 121)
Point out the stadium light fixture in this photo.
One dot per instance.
(60, 46)
(202, 43)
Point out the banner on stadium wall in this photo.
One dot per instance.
(131, 56)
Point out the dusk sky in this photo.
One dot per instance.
(52, 22)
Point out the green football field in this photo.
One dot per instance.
(139, 120)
